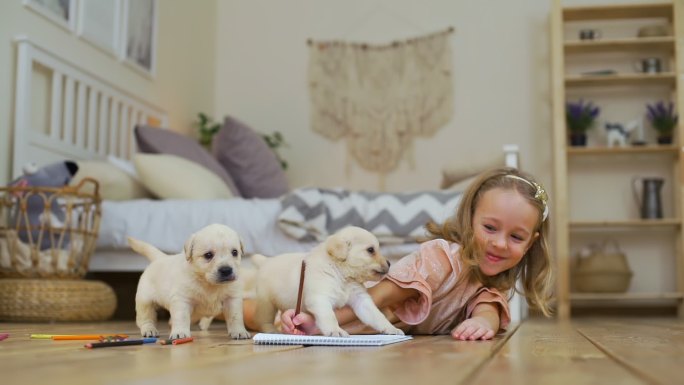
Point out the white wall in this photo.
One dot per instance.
(501, 79)
(184, 83)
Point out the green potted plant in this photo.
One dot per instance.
(580, 117)
(274, 141)
(206, 129)
(663, 119)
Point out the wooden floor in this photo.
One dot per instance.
(587, 351)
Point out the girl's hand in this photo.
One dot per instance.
(475, 328)
(301, 324)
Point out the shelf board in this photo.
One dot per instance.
(663, 78)
(632, 150)
(630, 223)
(625, 296)
(612, 12)
(665, 43)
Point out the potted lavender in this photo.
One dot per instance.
(663, 119)
(580, 117)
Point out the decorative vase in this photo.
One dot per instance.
(665, 139)
(578, 139)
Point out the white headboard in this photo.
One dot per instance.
(64, 112)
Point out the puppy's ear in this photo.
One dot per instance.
(189, 245)
(337, 247)
(242, 249)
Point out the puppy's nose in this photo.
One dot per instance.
(225, 271)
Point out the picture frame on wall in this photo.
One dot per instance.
(99, 23)
(60, 12)
(140, 34)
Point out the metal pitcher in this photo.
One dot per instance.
(649, 202)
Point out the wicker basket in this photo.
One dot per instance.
(41, 300)
(48, 232)
(604, 271)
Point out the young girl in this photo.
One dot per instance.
(456, 283)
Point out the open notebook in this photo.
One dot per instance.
(352, 340)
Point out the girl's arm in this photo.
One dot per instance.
(385, 294)
(482, 325)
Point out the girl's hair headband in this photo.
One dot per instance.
(540, 194)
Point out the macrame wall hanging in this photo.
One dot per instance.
(379, 97)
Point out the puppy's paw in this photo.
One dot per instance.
(336, 332)
(175, 334)
(149, 331)
(239, 334)
(392, 330)
(205, 322)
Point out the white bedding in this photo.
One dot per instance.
(167, 224)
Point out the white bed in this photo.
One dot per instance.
(90, 118)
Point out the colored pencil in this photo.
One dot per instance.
(81, 337)
(94, 345)
(179, 341)
(298, 309)
(43, 336)
(4, 336)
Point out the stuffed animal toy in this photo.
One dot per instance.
(54, 175)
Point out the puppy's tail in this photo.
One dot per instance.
(144, 248)
(258, 260)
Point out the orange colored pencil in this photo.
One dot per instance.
(80, 337)
(179, 341)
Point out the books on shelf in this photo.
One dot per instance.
(352, 340)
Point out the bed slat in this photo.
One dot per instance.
(89, 117)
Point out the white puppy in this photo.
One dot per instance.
(200, 282)
(335, 272)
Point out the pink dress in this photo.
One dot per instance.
(442, 305)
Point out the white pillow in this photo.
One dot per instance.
(124, 165)
(172, 177)
(114, 184)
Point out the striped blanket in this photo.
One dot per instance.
(311, 214)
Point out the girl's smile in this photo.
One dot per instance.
(504, 224)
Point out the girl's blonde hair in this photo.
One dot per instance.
(534, 269)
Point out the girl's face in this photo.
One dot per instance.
(503, 224)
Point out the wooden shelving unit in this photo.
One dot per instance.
(570, 163)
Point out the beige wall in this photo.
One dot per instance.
(248, 58)
(501, 79)
(184, 83)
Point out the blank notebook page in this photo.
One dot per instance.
(352, 340)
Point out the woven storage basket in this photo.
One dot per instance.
(41, 300)
(35, 243)
(604, 271)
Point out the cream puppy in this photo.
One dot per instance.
(335, 272)
(200, 282)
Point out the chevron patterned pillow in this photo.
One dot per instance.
(311, 214)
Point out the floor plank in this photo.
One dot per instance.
(23, 360)
(432, 359)
(593, 351)
(549, 352)
(213, 358)
(653, 350)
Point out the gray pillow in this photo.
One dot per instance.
(153, 140)
(249, 160)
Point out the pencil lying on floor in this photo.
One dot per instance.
(176, 341)
(94, 345)
(79, 337)
(44, 336)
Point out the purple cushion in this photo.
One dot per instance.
(248, 159)
(153, 140)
